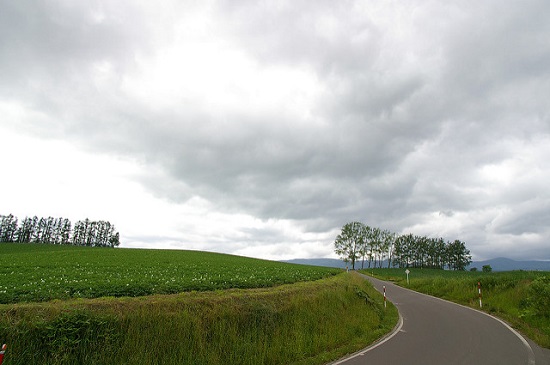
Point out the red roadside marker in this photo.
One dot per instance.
(2, 352)
(479, 291)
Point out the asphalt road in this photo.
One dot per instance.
(434, 331)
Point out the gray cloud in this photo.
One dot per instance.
(412, 111)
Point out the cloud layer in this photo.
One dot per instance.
(278, 122)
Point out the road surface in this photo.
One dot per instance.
(434, 331)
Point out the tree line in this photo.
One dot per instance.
(58, 231)
(374, 246)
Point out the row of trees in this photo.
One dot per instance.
(58, 231)
(359, 242)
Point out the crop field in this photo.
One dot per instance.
(82, 305)
(37, 272)
(522, 298)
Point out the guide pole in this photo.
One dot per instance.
(479, 292)
(2, 352)
(384, 296)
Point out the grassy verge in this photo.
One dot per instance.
(522, 298)
(303, 323)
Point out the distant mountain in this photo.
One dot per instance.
(331, 263)
(498, 264)
(504, 264)
(319, 262)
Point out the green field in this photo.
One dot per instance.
(110, 306)
(522, 298)
(38, 272)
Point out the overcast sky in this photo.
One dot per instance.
(259, 128)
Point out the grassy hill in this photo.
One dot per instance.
(78, 305)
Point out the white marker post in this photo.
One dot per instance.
(407, 272)
(384, 296)
(479, 292)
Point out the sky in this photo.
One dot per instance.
(259, 128)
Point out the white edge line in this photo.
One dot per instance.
(395, 331)
(530, 353)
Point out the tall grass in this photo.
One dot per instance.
(302, 323)
(522, 298)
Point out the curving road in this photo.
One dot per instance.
(435, 331)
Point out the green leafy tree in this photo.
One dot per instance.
(348, 243)
(8, 228)
(389, 244)
(25, 230)
(458, 255)
(364, 250)
(398, 248)
(58, 231)
(65, 232)
(375, 239)
(114, 240)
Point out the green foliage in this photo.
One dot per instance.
(520, 297)
(34, 272)
(458, 257)
(58, 231)
(347, 244)
(538, 301)
(359, 241)
(303, 323)
(486, 268)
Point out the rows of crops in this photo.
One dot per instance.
(34, 272)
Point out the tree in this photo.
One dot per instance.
(487, 268)
(358, 240)
(408, 250)
(8, 228)
(114, 241)
(440, 252)
(389, 244)
(375, 239)
(398, 248)
(365, 249)
(58, 231)
(95, 234)
(348, 243)
(26, 230)
(458, 256)
(402, 254)
(65, 232)
(48, 230)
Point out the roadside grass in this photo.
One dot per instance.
(82, 305)
(522, 298)
(40, 272)
(304, 323)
